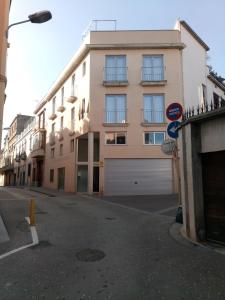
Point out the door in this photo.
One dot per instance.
(40, 172)
(214, 194)
(82, 179)
(61, 178)
(138, 176)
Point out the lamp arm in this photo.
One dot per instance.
(11, 25)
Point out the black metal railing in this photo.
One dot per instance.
(203, 108)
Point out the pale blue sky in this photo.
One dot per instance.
(38, 53)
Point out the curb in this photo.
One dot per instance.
(4, 237)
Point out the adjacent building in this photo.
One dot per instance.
(4, 17)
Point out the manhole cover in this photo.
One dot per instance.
(90, 255)
(41, 244)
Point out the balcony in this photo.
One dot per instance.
(116, 118)
(153, 118)
(7, 164)
(23, 155)
(61, 108)
(152, 76)
(115, 76)
(17, 158)
(73, 97)
(52, 116)
(39, 142)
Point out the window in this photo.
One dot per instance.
(84, 68)
(61, 149)
(62, 96)
(73, 85)
(204, 94)
(51, 175)
(115, 109)
(52, 152)
(29, 170)
(53, 127)
(115, 138)
(152, 69)
(154, 138)
(82, 110)
(53, 105)
(215, 100)
(61, 123)
(154, 108)
(115, 68)
(72, 145)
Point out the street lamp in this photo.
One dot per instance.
(38, 17)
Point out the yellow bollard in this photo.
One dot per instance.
(32, 212)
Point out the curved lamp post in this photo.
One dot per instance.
(38, 17)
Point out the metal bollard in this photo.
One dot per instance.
(32, 212)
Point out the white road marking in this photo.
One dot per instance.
(34, 238)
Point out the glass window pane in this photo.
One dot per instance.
(149, 138)
(121, 138)
(110, 138)
(159, 138)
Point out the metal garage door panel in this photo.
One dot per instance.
(138, 176)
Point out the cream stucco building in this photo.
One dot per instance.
(4, 18)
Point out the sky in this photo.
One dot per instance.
(39, 52)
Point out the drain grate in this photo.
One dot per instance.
(110, 218)
(41, 213)
(90, 255)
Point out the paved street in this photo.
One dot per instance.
(138, 259)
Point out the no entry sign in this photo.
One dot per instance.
(174, 111)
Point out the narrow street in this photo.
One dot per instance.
(137, 257)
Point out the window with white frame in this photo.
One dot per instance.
(152, 69)
(154, 138)
(73, 85)
(115, 109)
(115, 138)
(62, 96)
(154, 108)
(53, 105)
(115, 68)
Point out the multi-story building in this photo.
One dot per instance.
(4, 17)
(105, 115)
(14, 150)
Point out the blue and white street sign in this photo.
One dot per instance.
(172, 129)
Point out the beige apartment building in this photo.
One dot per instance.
(104, 118)
(4, 18)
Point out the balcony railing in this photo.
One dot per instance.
(39, 141)
(116, 116)
(153, 116)
(115, 74)
(152, 74)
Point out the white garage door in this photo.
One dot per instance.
(138, 176)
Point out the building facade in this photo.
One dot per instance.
(4, 18)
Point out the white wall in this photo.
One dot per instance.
(194, 67)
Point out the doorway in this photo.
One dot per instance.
(61, 178)
(214, 194)
(82, 179)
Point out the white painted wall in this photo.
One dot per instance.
(194, 67)
(212, 88)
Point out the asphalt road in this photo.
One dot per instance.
(137, 259)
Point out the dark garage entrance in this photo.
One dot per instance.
(213, 166)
